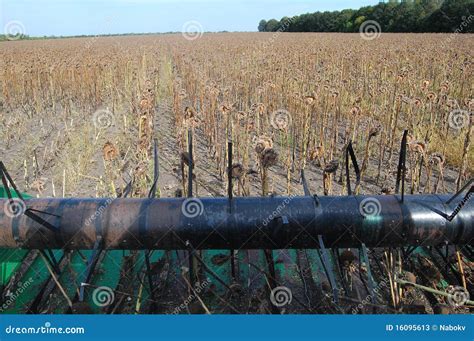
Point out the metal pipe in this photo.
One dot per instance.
(252, 223)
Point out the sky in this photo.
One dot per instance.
(91, 17)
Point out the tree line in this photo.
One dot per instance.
(392, 16)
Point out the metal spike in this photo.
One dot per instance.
(306, 190)
(350, 152)
(401, 166)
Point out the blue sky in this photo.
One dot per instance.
(75, 17)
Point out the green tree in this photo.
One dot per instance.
(272, 25)
(392, 16)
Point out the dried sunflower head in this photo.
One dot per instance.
(109, 151)
(38, 184)
(417, 147)
(309, 99)
(186, 159)
(374, 131)
(418, 102)
(437, 158)
(280, 119)
(269, 158)
(241, 115)
(261, 143)
(331, 167)
(144, 104)
(355, 110)
(237, 171)
(225, 109)
(431, 96)
(190, 115)
(182, 94)
(445, 87)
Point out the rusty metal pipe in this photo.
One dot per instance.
(240, 223)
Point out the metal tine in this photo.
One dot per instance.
(307, 192)
(28, 212)
(462, 190)
(463, 202)
(4, 175)
(328, 268)
(191, 164)
(229, 170)
(401, 165)
(149, 276)
(350, 152)
(127, 190)
(51, 259)
(190, 194)
(230, 195)
(454, 277)
(206, 268)
(156, 171)
(369, 272)
(91, 264)
(152, 195)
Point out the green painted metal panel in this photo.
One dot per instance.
(10, 259)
